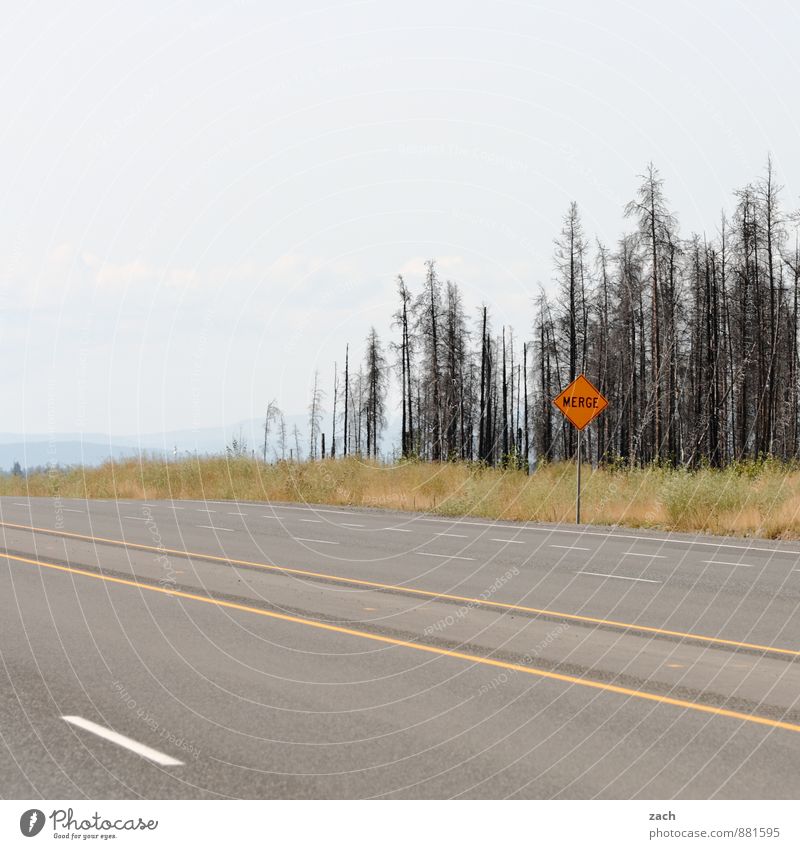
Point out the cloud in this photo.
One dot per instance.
(110, 274)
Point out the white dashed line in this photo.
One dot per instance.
(121, 740)
(407, 531)
(546, 529)
(446, 556)
(205, 510)
(20, 504)
(349, 525)
(136, 518)
(215, 528)
(72, 510)
(570, 547)
(515, 541)
(323, 541)
(727, 563)
(619, 577)
(637, 554)
(460, 536)
(315, 521)
(296, 507)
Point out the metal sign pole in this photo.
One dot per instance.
(578, 496)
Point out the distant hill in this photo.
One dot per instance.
(92, 449)
(30, 454)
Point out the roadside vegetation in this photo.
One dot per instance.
(754, 499)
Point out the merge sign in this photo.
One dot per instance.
(581, 402)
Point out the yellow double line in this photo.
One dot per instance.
(375, 585)
(470, 658)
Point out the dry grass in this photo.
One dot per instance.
(757, 500)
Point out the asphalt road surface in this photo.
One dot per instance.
(221, 649)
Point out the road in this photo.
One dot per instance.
(227, 650)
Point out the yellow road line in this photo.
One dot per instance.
(478, 602)
(471, 658)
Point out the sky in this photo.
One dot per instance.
(203, 202)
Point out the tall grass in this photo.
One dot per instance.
(758, 500)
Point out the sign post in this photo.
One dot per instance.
(578, 481)
(581, 402)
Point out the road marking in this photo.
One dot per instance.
(637, 554)
(570, 547)
(500, 605)
(122, 740)
(407, 531)
(349, 525)
(460, 536)
(278, 518)
(205, 510)
(316, 521)
(515, 541)
(727, 563)
(619, 577)
(215, 528)
(323, 541)
(20, 504)
(446, 556)
(237, 513)
(380, 638)
(292, 507)
(548, 530)
(136, 518)
(72, 510)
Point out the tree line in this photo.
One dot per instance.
(693, 339)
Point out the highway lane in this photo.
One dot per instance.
(260, 706)
(743, 590)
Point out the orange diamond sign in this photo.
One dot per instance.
(581, 402)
